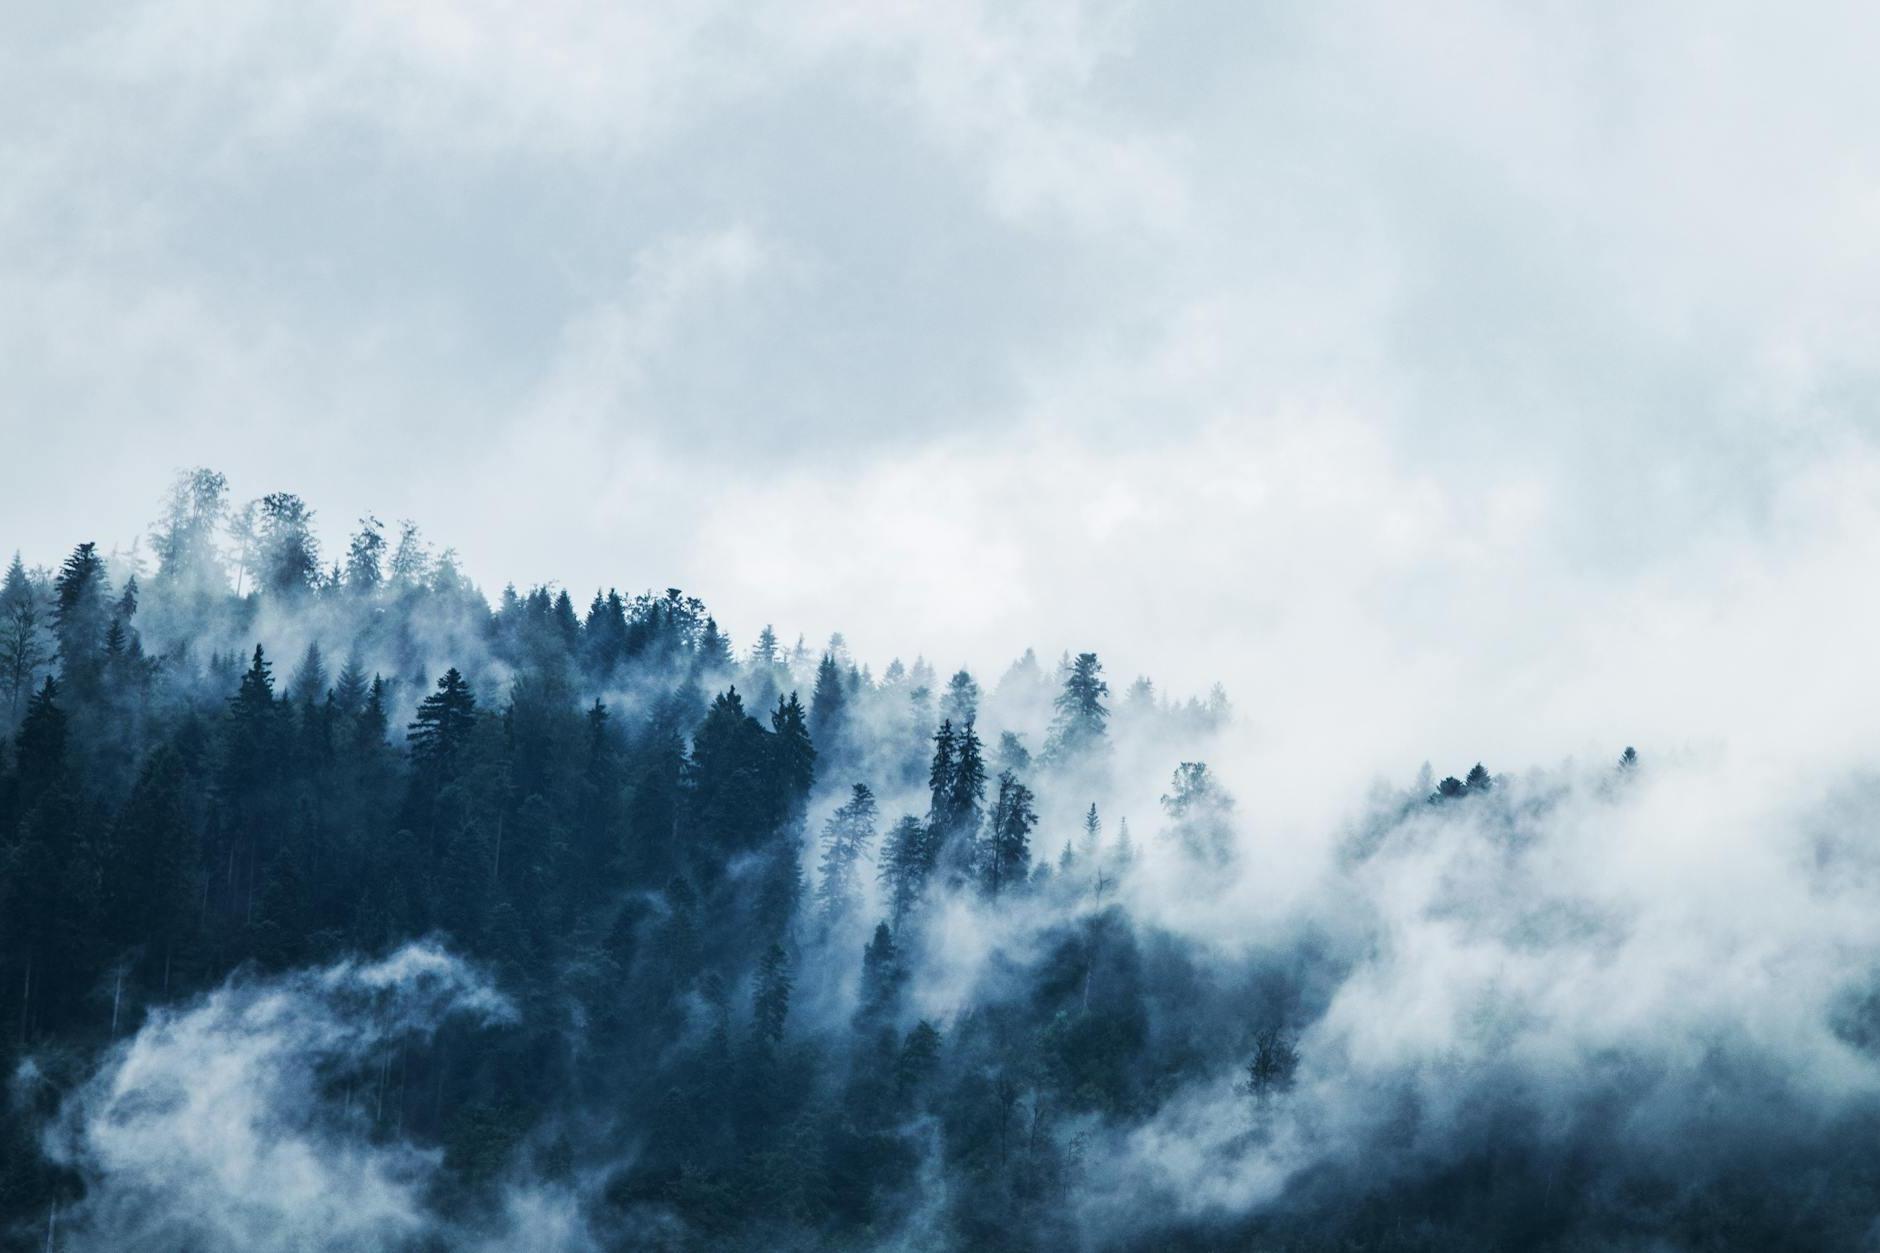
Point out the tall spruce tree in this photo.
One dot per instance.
(1007, 860)
(1082, 719)
(847, 838)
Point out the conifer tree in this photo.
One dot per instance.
(940, 778)
(184, 538)
(828, 709)
(847, 837)
(251, 753)
(309, 682)
(1007, 860)
(793, 749)
(765, 651)
(441, 729)
(961, 703)
(39, 750)
(365, 557)
(22, 646)
(1082, 718)
(966, 788)
(881, 980)
(287, 552)
(770, 999)
(349, 690)
(1200, 813)
(907, 859)
(370, 726)
(410, 567)
(81, 616)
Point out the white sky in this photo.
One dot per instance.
(1452, 382)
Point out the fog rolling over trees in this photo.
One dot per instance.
(344, 905)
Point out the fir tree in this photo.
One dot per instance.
(1007, 862)
(828, 709)
(1200, 813)
(847, 837)
(961, 703)
(907, 859)
(770, 998)
(1082, 717)
(81, 615)
(309, 682)
(288, 555)
(793, 750)
(441, 729)
(365, 557)
(22, 647)
(349, 690)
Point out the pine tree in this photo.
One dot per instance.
(907, 860)
(309, 682)
(1200, 813)
(793, 750)
(40, 747)
(349, 690)
(1012, 754)
(126, 608)
(81, 615)
(881, 980)
(251, 754)
(441, 730)
(287, 552)
(770, 999)
(1007, 861)
(22, 648)
(184, 538)
(847, 837)
(567, 625)
(1082, 718)
(370, 726)
(765, 651)
(828, 709)
(1093, 831)
(714, 648)
(150, 880)
(365, 557)
(732, 798)
(961, 703)
(410, 568)
(966, 789)
(919, 1058)
(940, 778)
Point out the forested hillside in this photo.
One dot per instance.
(342, 906)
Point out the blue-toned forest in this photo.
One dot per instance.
(343, 905)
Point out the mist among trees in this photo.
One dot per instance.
(545, 919)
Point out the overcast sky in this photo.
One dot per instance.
(1473, 379)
